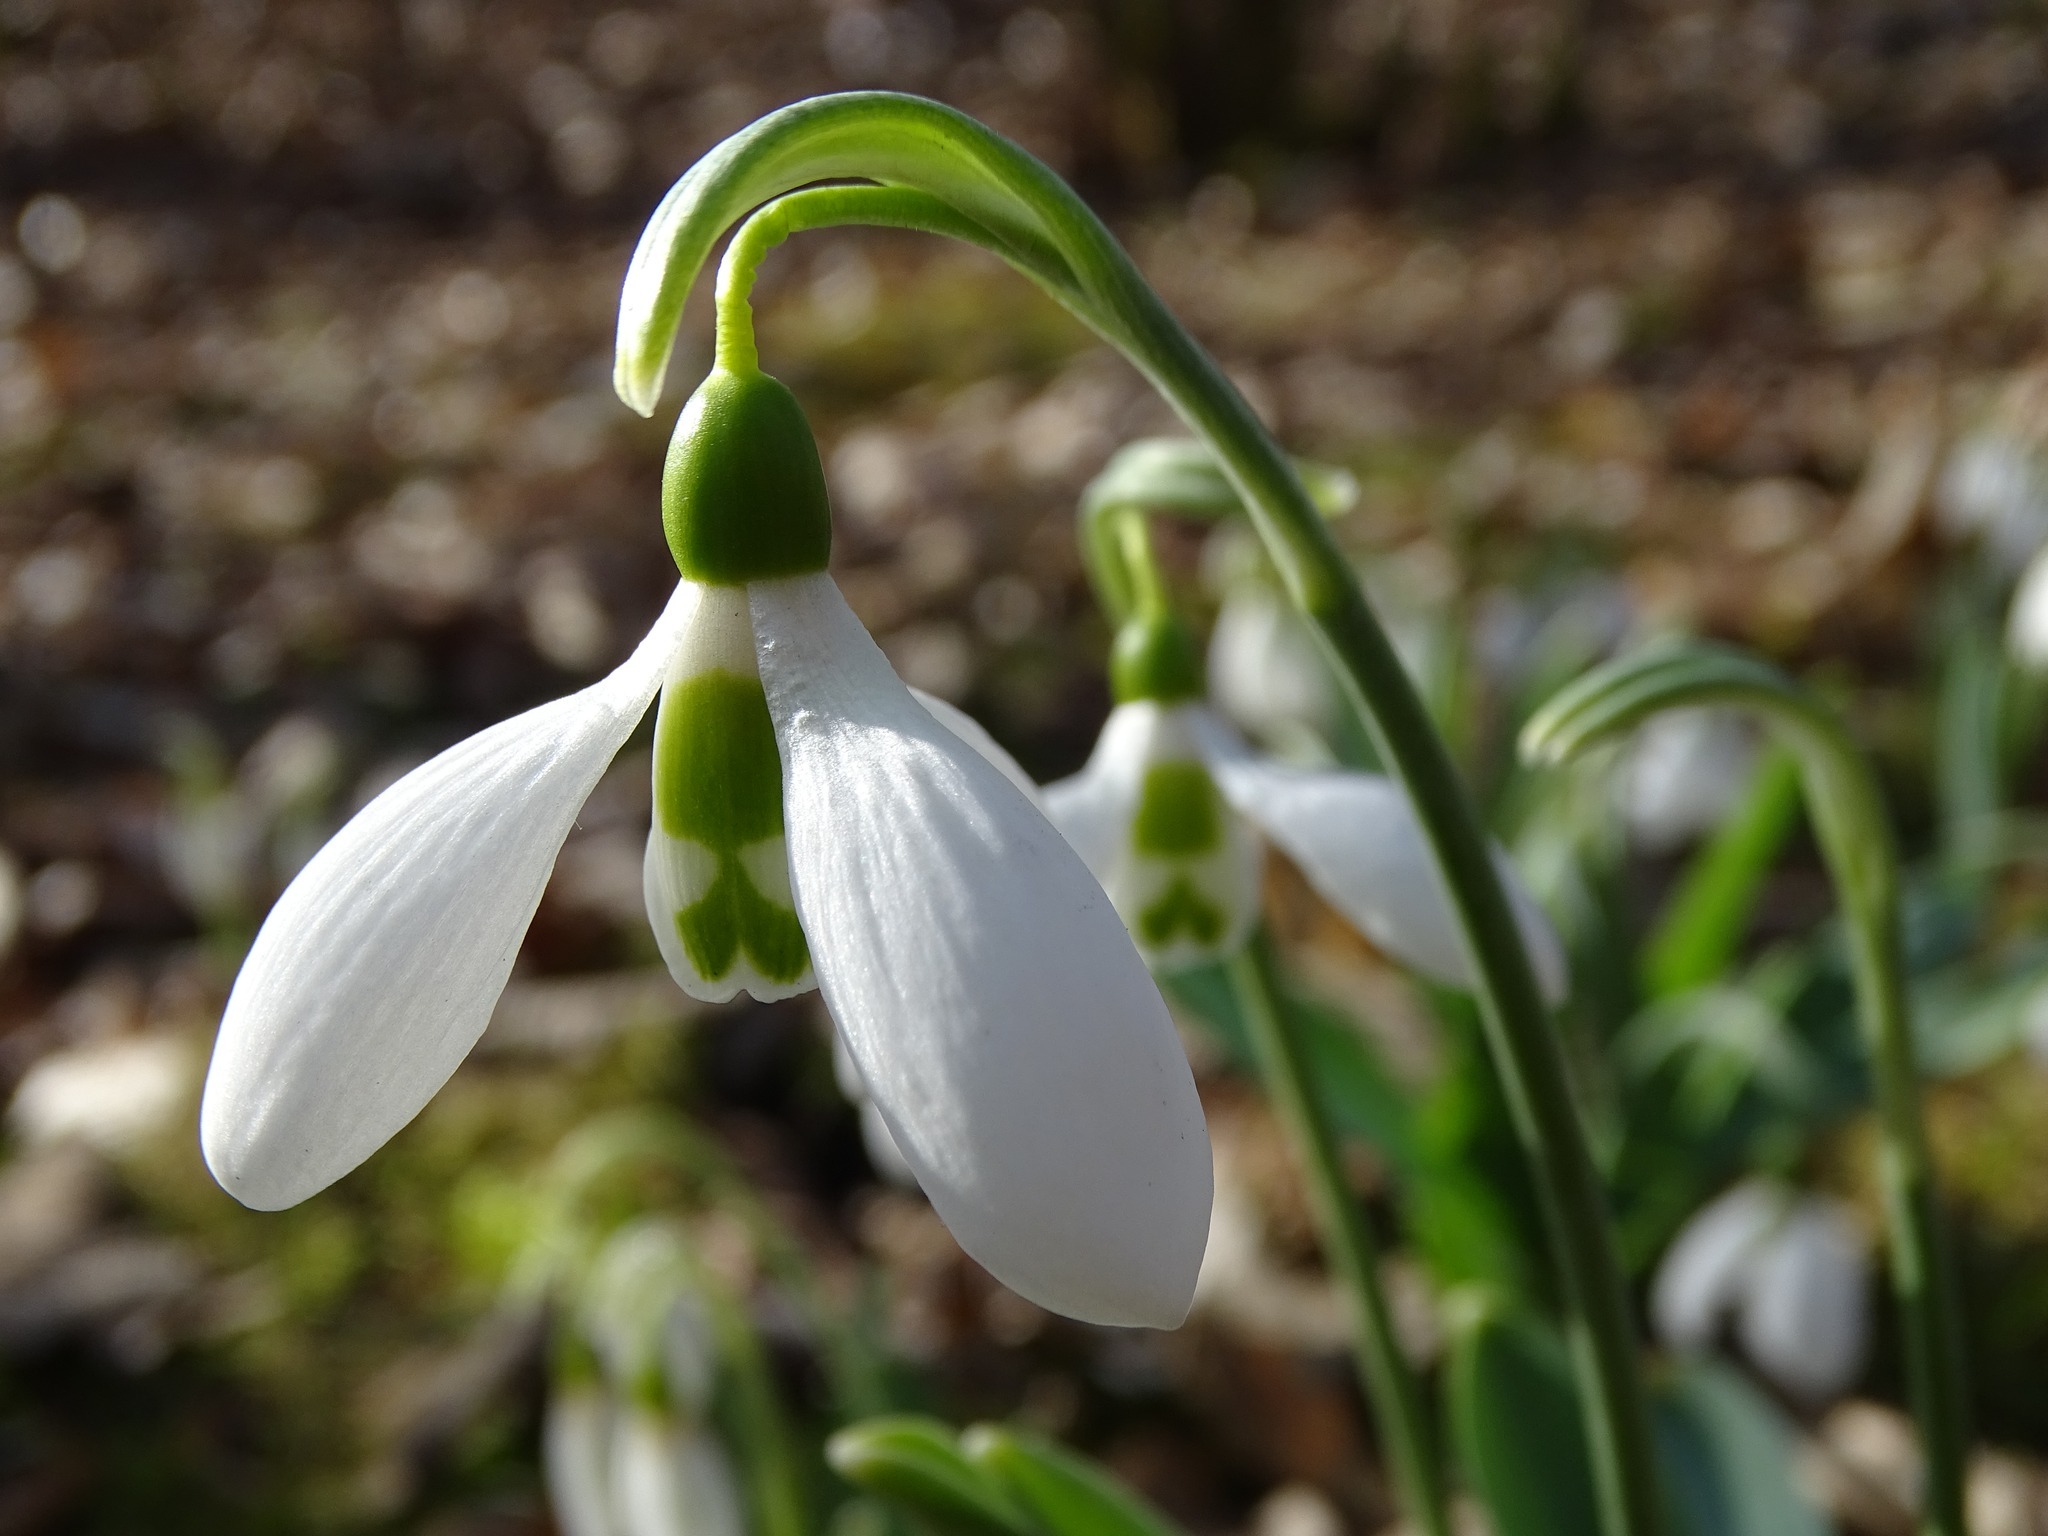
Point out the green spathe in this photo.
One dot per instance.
(743, 494)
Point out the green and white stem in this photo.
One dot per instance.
(1848, 815)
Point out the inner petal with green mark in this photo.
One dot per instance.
(1186, 881)
(717, 870)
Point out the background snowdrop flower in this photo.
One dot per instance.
(1169, 808)
(814, 823)
(1683, 774)
(671, 1478)
(1265, 673)
(1790, 1270)
(2026, 621)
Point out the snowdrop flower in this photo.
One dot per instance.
(1792, 1272)
(1683, 774)
(815, 824)
(1169, 810)
(626, 1443)
(1994, 486)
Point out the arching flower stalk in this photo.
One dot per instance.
(815, 824)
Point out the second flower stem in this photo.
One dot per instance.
(1348, 1244)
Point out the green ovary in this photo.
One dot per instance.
(1180, 909)
(1178, 812)
(732, 916)
(718, 783)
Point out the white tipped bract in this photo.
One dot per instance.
(1000, 1018)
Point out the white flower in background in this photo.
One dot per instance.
(1790, 1270)
(626, 1443)
(1683, 774)
(1265, 673)
(1168, 812)
(1994, 485)
(115, 1096)
(815, 823)
(2026, 621)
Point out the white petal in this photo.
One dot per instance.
(1805, 1313)
(672, 1480)
(1701, 1276)
(975, 734)
(379, 966)
(1000, 1017)
(576, 1436)
(883, 1153)
(1264, 669)
(1356, 838)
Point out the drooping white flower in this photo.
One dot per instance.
(1168, 812)
(814, 821)
(1683, 774)
(1792, 1273)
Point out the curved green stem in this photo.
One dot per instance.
(1389, 1384)
(1014, 206)
(1847, 809)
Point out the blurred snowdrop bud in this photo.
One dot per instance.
(646, 1317)
(1265, 673)
(2026, 621)
(1994, 485)
(1792, 1273)
(672, 1479)
(576, 1458)
(1683, 774)
(114, 1096)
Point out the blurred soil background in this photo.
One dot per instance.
(1667, 314)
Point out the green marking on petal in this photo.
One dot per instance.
(1180, 909)
(733, 916)
(1179, 814)
(717, 775)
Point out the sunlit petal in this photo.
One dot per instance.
(1357, 839)
(379, 966)
(1000, 1017)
